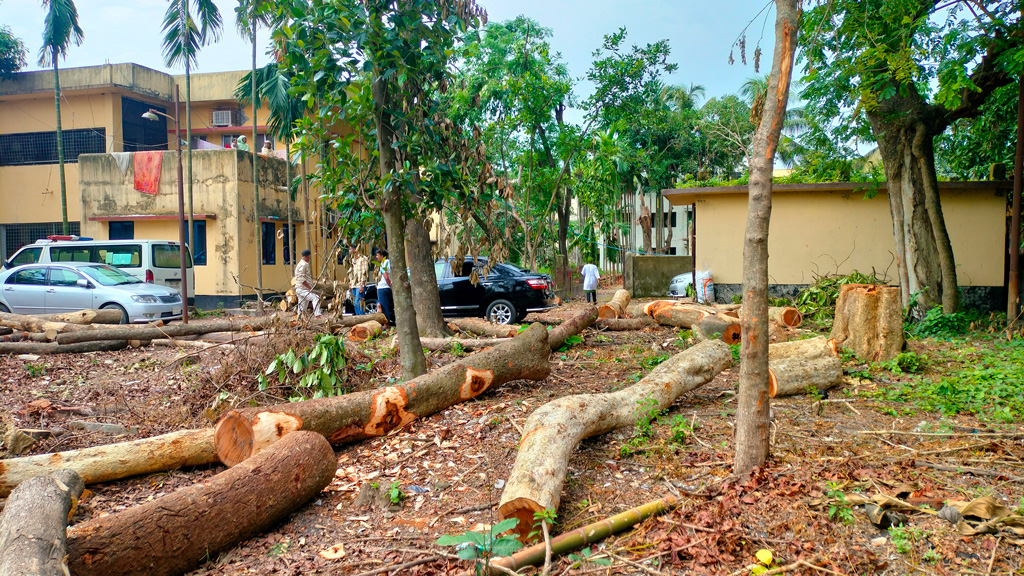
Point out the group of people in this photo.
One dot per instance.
(359, 279)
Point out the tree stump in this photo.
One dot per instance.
(786, 316)
(869, 321)
(616, 308)
(365, 331)
(33, 524)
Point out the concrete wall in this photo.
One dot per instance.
(648, 276)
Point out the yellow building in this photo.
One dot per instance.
(101, 117)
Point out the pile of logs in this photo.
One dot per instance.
(332, 296)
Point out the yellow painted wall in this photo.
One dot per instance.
(816, 233)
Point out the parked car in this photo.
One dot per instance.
(155, 261)
(67, 287)
(506, 294)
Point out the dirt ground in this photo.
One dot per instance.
(450, 467)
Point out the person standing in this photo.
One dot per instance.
(590, 277)
(241, 143)
(358, 276)
(304, 286)
(384, 297)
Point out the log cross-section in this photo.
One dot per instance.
(33, 524)
(616, 308)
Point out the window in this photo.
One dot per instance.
(287, 245)
(225, 140)
(672, 250)
(139, 134)
(670, 220)
(168, 256)
(121, 230)
(269, 243)
(260, 139)
(63, 277)
(27, 256)
(18, 235)
(28, 148)
(439, 268)
(198, 248)
(30, 276)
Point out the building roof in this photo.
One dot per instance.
(683, 196)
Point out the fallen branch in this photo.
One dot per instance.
(152, 333)
(572, 326)
(622, 324)
(435, 344)
(616, 308)
(482, 327)
(176, 533)
(54, 348)
(33, 524)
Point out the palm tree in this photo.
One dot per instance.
(182, 39)
(679, 98)
(59, 30)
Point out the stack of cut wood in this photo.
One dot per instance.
(332, 295)
(706, 321)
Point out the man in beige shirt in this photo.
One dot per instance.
(358, 276)
(304, 286)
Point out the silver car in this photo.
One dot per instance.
(67, 287)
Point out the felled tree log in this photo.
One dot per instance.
(616, 308)
(33, 524)
(14, 336)
(714, 328)
(869, 321)
(573, 325)
(651, 308)
(786, 316)
(622, 324)
(348, 321)
(801, 365)
(150, 333)
(546, 319)
(777, 332)
(376, 412)
(680, 317)
(55, 348)
(552, 432)
(365, 331)
(89, 316)
(178, 532)
(467, 344)
(482, 327)
(27, 323)
(115, 461)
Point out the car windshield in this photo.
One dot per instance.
(107, 276)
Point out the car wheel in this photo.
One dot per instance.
(124, 313)
(5, 309)
(501, 312)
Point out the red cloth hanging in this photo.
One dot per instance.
(147, 171)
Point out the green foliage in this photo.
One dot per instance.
(817, 302)
(12, 53)
(904, 538)
(652, 361)
(481, 547)
(681, 429)
(35, 369)
(906, 362)
(322, 368)
(183, 35)
(647, 413)
(585, 558)
(547, 516)
(838, 509)
(574, 339)
(764, 562)
(935, 324)
(60, 30)
(735, 348)
(395, 494)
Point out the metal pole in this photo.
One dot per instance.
(181, 212)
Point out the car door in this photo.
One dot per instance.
(463, 297)
(63, 294)
(25, 290)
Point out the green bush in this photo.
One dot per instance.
(817, 302)
(935, 324)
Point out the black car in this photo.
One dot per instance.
(506, 294)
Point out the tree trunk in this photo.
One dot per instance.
(307, 224)
(645, 224)
(752, 411)
(83, 317)
(255, 173)
(176, 533)
(414, 363)
(188, 148)
(54, 348)
(680, 317)
(435, 344)
(365, 331)
(334, 322)
(60, 146)
(483, 327)
(116, 461)
(553, 431)
(14, 336)
(148, 333)
(376, 412)
(34, 522)
(622, 324)
(293, 258)
(787, 316)
(425, 297)
(799, 366)
(616, 308)
(572, 326)
(869, 321)
(714, 328)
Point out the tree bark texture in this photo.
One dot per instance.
(365, 331)
(361, 415)
(425, 297)
(33, 525)
(573, 325)
(553, 431)
(176, 533)
(174, 330)
(753, 403)
(624, 324)
(616, 308)
(54, 348)
(714, 328)
(786, 316)
(435, 344)
(795, 374)
(60, 145)
(869, 321)
(482, 327)
(115, 461)
(89, 316)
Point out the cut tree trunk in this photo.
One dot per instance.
(869, 321)
(553, 431)
(622, 324)
(365, 331)
(34, 522)
(616, 308)
(14, 337)
(546, 319)
(777, 333)
(714, 328)
(176, 533)
(360, 415)
(680, 317)
(786, 316)
(803, 366)
(89, 316)
(483, 327)
(572, 326)
(27, 323)
(115, 461)
(435, 344)
(149, 333)
(54, 348)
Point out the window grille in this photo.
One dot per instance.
(32, 148)
(18, 235)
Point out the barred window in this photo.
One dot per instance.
(28, 148)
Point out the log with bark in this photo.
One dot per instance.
(55, 348)
(572, 326)
(869, 321)
(714, 328)
(679, 316)
(335, 321)
(376, 412)
(622, 324)
(152, 333)
(777, 332)
(14, 336)
(552, 432)
(89, 316)
(482, 327)
(33, 524)
(365, 331)
(616, 308)
(800, 366)
(115, 461)
(787, 316)
(435, 344)
(546, 319)
(26, 323)
(176, 533)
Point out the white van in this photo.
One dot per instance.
(154, 261)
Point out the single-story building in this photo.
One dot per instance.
(837, 228)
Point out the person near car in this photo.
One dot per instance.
(590, 277)
(384, 297)
(304, 286)
(359, 274)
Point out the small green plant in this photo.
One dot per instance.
(682, 337)
(602, 339)
(737, 299)
(652, 361)
(546, 516)
(322, 367)
(935, 324)
(457, 348)
(585, 558)
(646, 413)
(681, 429)
(35, 369)
(568, 343)
(909, 362)
(905, 537)
(764, 562)
(482, 546)
(838, 509)
(395, 494)
(735, 353)
(931, 556)
(279, 549)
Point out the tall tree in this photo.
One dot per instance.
(753, 404)
(60, 30)
(183, 37)
(12, 53)
(908, 69)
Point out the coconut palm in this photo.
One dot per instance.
(183, 37)
(60, 29)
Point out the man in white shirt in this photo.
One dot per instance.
(304, 286)
(590, 277)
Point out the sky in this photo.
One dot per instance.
(700, 33)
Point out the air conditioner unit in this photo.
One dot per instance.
(223, 117)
